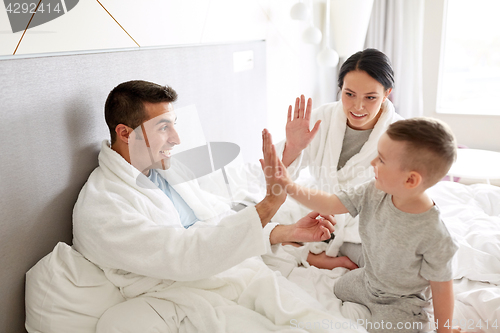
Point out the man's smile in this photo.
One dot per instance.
(166, 153)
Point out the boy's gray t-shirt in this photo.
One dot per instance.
(402, 251)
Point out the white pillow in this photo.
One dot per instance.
(67, 293)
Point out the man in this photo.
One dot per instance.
(178, 243)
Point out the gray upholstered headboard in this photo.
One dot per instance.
(52, 125)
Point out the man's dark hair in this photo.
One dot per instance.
(125, 103)
(373, 62)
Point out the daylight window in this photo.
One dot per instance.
(470, 68)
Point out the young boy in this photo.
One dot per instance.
(405, 245)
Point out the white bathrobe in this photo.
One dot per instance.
(322, 156)
(130, 229)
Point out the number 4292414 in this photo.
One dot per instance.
(18, 8)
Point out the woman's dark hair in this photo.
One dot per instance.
(125, 103)
(373, 62)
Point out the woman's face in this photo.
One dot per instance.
(362, 97)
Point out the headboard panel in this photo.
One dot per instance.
(53, 123)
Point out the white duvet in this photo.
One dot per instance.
(472, 214)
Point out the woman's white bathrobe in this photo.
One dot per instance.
(322, 156)
(131, 230)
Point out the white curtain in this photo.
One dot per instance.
(396, 28)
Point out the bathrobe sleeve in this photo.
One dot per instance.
(117, 226)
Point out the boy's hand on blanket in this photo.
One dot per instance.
(298, 135)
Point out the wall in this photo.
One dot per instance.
(291, 64)
(474, 131)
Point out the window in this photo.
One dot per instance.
(469, 81)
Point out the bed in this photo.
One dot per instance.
(53, 126)
(471, 214)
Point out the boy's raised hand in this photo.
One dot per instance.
(274, 171)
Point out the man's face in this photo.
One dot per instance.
(151, 144)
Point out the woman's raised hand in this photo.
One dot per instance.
(298, 135)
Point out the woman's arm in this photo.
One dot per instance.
(298, 135)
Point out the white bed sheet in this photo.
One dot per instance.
(472, 214)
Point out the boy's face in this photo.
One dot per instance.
(389, 175)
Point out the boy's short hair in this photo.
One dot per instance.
(431, 147)
(125, 103)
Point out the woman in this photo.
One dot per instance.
(338, 153)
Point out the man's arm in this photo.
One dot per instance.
(443, 301)
(267, 208)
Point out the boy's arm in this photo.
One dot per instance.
(322, 202)
(443, 301)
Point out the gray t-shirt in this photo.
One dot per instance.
(402, 251)
(352, 144)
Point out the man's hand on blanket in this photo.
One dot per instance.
(314, 228)
(298, 135)
(311, 228)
